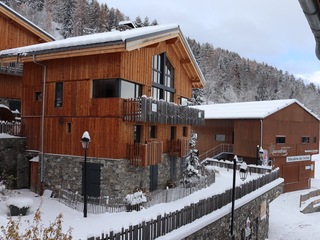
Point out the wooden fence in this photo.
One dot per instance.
(307, 196)
(171, 221)
(145, 154)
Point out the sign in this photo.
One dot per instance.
(154, 107)
(298, 158)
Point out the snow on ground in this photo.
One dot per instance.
(286, 221)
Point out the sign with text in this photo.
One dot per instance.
(299, 158)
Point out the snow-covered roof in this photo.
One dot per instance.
(18, 16)
(247, 110)
(110, 38)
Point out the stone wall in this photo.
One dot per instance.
(13, 160)
(118, 177)
(251, 221)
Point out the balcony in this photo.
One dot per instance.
(153, 111)
(178, 148)
(11, 68)
(146, 154)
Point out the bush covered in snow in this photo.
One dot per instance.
(135, 198)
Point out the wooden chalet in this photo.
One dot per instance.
(15, 31)
(286, 131)
(127, 89)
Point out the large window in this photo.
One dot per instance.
(305, 139)
(115, 88)
(162, 78)
(59, 94)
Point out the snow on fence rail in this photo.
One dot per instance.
(12, 128)
(171, 221)
(307, 196)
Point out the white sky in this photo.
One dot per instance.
(275, 32)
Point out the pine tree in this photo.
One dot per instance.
(67, 11)
(191, 173)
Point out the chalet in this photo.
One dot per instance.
(284, 132)
(127, 89)
(15, 31)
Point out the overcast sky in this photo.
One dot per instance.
(275, 32)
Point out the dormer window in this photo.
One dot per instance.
(162, 78)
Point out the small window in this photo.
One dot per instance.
(185, 131)
(280, 139)
(59, 94)
(314, 139)
(220, 137)
(38, 96)
(305, 140)
(69, 127)
(153, 132)
(172, 133)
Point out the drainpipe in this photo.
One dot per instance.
(261, 131)
(42, 120)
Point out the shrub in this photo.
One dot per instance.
(35, 230)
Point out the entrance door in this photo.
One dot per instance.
(93, 179)
(153, 177)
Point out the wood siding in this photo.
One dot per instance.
(293, 122)
(102, 118)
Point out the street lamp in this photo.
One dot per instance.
(85, 140)
(243, 175)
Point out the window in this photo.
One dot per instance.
(38, 96)
(162, 78)
(115, 88)
(305, 140)
(69, 127)
(314, 139)
(280, 139)
(172, 133)
(59, 94)
(153, 132)
(220, 137)
(185, 131)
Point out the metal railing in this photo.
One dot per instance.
(222, 148)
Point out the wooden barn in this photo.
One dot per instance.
(127, 89)
(15, 31)
(284, 132)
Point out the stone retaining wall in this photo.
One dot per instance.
(13, 160)
(251, 221)
(118, 177)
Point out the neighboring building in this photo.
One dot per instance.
(127, 89)
(15, 31)
(287, 132)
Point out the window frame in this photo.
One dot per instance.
(279, 137)
(305, 140)
(162, 78)
(58, 98)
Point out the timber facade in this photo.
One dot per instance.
(288, 136)
(15, 31)
(127, 89)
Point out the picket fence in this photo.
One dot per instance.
(164, 224)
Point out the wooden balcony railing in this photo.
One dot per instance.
(178, 148)
(11, 68)
(146, 154)
(149, 110)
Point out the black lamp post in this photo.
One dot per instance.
(243, 175)
(85, 140)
